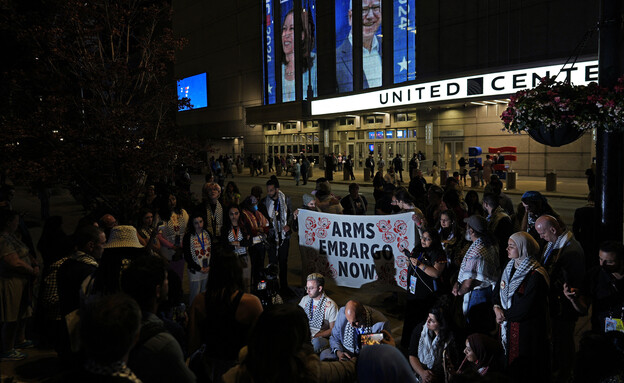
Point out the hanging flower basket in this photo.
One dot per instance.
(555, 137)
(558, 113)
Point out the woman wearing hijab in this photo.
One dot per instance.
(521, 307)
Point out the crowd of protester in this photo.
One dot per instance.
(493, 293)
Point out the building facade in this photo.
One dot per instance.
(263, 102)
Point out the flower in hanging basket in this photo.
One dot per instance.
(554, 105)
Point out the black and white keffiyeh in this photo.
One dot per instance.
(511, 280)
(349, 341)
(215, 220)
(316, 316)
(278, 213)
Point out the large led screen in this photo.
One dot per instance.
(195, 89)
(269, 53)
(307, 54)
(404, 44)
(371, 44)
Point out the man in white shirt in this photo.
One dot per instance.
(371, 49)
(321, 311)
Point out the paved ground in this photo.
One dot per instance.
(42, 363)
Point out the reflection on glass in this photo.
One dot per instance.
(307, 55)
(371, 44)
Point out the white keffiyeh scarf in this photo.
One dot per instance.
(215, 221)
(317, 316)
(348, 339)
(278, 221)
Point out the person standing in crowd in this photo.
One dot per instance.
(197, 247)
(258, 226)
(463, 170)
(432, 346)
(405, 203)
(321, 310)
(397, 162)
(237, 235)
(370, 163)
(349, 166)
(214, 210)
(297, 171)
(435, 173)
(18, 269)
(473, 204)
(499, 223)
(521, 308)
(170, 233)
(417, 188)
(452, 201)
(220, 318)
(381, 164)
(270, 162)
(478, 274)
(279, 211)
(231, 195)
(147, 233)
(453, 242)
(427, 263)
(414, 164)
(584, 229)
(329, 167)
(487, 168)
(390, 177)
(354, 203)
(305, 169)
(353, 320)
(157, 356)
(603, 288)
(535, 205)
(564, 260)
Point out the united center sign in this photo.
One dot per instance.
(488, 85)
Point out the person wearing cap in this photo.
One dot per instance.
(564, 260)
(478, 273)
(321, 310)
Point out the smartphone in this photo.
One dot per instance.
(370, 339)
(204, 262)
(262, 285)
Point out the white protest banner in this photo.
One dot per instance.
(356, 249)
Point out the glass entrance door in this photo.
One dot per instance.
(453, 151)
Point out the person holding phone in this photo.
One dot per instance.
(427, 263)
(197, 249)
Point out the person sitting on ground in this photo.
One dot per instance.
(157, 356)
(353, 320)
(432, 345)
(355, 203)
(321, 311)
(484, 356)
(221, 318)
(279, 350)
(109, 328)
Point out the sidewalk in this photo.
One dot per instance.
(574, 188)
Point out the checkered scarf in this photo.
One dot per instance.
(348, 339)
(316, 316)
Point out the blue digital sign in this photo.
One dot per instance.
(371, 135)
(371, 148)
(380, 134)
(195, 89)
(404, 33)
(390, 134)
(269, 53)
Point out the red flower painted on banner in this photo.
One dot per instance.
(323, 225)
(403, 279)
(384, 225)
(401, 261)
(388, 237)
(403, 243)
(400, 227)
(310, 237)
(310, 224)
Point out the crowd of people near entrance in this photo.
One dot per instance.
(494, 291)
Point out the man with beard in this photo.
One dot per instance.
(279, 211)
(321, 311)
